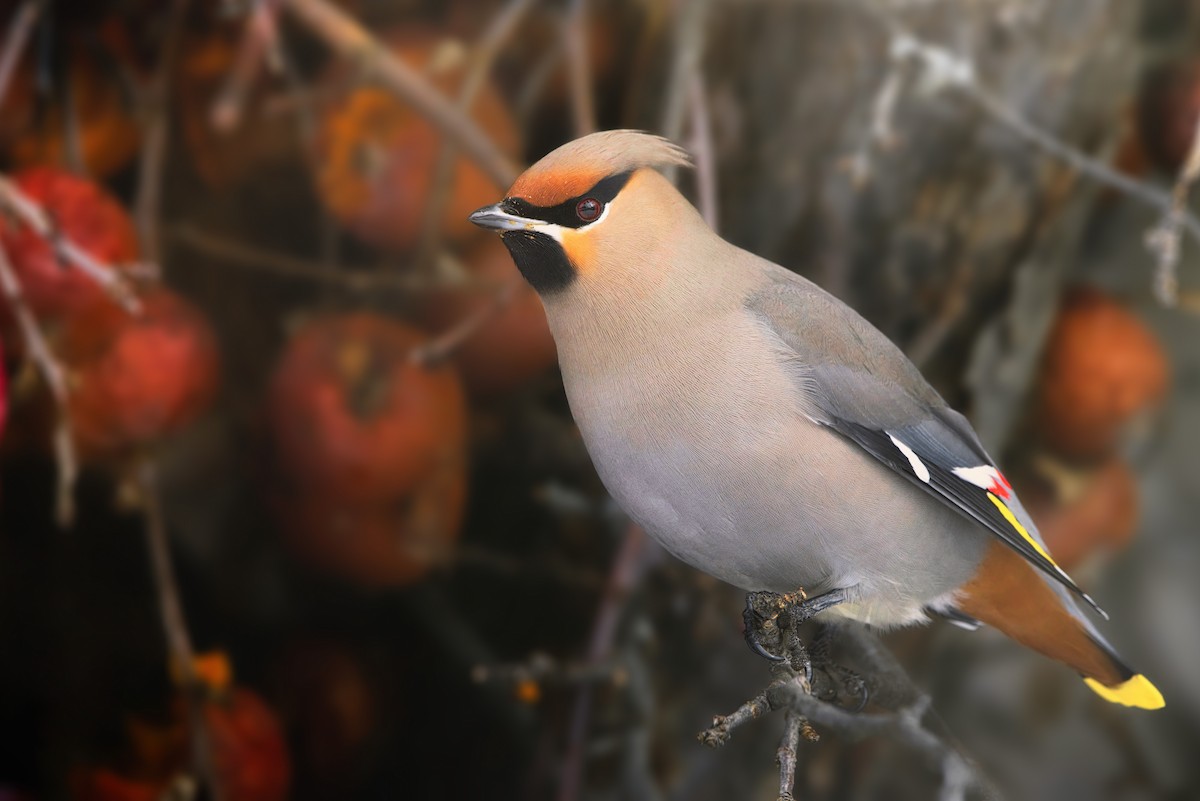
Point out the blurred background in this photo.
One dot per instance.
(291, 504)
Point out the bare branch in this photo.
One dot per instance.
(260, 42)
(944, 69)
(702, 148)
(1163, 239)
(381, 277)
(15, 41)
(345, 35)
(155, 139)
(583, 101)
(790, 693)
(485, 52)
(626, 568)
(689, 44)
(180, 653)
(440, 348)
(52, 373)
(33, 215)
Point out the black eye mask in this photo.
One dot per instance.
(564, 213)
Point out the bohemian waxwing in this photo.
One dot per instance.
(764, 432)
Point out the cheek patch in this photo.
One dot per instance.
(580, 248)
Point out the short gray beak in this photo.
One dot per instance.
(497, 218)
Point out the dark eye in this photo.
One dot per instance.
(587, 209)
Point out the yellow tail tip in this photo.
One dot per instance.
(1137, 691)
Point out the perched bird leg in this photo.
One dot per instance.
(760, 619)
(841, 678)
(773, 622)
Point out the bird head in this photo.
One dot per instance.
(590, 212)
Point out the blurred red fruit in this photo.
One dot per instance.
(34, 131)
(230, 156)
(382, 544)
(355, 419)
(102, 784)
(1101, 371)
(512, 347)
(137, 378)
(378, 156)
(1098, 513)
(84, 213)
(250, 758)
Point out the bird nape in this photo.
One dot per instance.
(764, 432)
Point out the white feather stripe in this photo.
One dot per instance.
(984, 476)
(914, 461)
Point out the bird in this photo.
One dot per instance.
(762, 431)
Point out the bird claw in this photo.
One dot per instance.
(759, 626)
(772, 630)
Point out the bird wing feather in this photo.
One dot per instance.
(856, 382)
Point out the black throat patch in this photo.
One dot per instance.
(541, 260)
(539, 257)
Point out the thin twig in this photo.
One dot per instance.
(32, 214)
(795, 726)
(341, 32)
(626, 568)
(440, 348)
(702, 149)
(499, 30)
(689, 43)
(260, 43)
(66, 461)
(789, 692)
(382, 277)
(543, 669)
(946, 69)
(180, 653)
(583, 101)
(14, 43)
(1163, 239)
(155, 139)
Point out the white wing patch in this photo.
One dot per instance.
(984, 476)
(914, 461)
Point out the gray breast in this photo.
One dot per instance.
(705, 444)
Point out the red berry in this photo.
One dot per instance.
(354, 418)
(137, 378)
(82, 212)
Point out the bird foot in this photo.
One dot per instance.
(772, 630)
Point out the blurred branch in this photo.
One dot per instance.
(260, 42)
(67, 464)
(14, 43)
(180, 653)
(32, 214)
(626, 569)
(1163, 239)
(542, 669)
(944, 69)
(790, 693)
(155, 138)
(341, 32)
(583, 100)
(440, 348)
(688, 50)
(701, 146)
(483, 57)
(383, 277)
